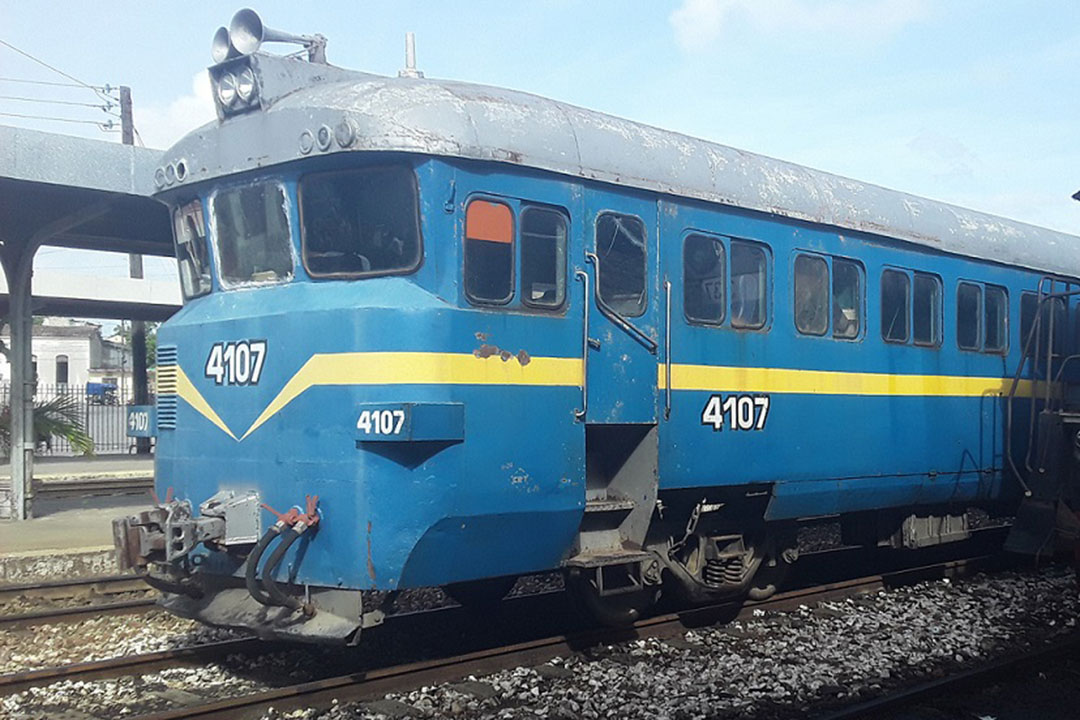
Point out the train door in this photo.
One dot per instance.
(623, 324)
(621, 332)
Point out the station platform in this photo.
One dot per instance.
(75, 503)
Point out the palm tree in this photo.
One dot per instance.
(59, 417)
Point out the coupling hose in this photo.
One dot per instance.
(277, 596)
(251, 572)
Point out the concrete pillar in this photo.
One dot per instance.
(19, 267)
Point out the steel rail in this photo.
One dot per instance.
(376, 683)
(76, 613)
(62, 489)
(131, 665)
(73, 587)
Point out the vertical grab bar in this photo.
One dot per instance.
(580, 414)
(667, 349)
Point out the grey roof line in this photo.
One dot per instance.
(462, 120)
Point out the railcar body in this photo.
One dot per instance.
(495, 335)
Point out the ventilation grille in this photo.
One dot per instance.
(166, 386)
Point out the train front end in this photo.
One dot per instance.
(312, 391)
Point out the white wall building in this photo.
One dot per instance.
(73, 353)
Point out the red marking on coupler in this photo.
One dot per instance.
(311, 517)
(288, 518)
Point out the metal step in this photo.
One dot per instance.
(609, 505)
(606, 557)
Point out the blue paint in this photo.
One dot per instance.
(491, 479)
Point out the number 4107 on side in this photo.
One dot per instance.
(738, 412)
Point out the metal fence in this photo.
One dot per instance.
(101, 408)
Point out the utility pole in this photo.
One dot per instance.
(135, 270)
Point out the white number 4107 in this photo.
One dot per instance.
(381, 422)
(743, 412)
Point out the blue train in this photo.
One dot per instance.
(442, 334)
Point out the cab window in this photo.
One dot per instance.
(192, 255)
(360, 223)
(251, 228)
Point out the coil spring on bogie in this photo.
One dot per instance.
(723, 571)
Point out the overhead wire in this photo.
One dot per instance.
(27, 81)
(107, 125)
(104, 93)
(56, 102)
(56, 70)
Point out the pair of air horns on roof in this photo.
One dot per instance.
(246, 33)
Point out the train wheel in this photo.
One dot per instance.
(481, 595)
(612, 610)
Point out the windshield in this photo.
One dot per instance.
(251, 228)
(191, 252)
(360, 222)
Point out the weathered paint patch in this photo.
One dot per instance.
(370, 562)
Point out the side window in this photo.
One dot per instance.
(895, 305)
(749, 285)
(996, 320)
(1029, 305)
(489, 252)
(968, 305)
(192, 255)
(847, 299)
(926, 310)
(703, 279)
(543, 257)
(811, 295)
(620, 245)
(1029, 310)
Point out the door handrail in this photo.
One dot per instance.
(613, 315)
(667, 349)
(580, 413)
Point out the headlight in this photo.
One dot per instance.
(245, 84)
(226, 89)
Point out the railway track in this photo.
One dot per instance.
(90, 588)
(374, 683)
(91, 487)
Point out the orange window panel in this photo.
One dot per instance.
(489, 221)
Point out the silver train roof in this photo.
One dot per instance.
(461, 120)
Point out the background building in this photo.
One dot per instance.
(72, 353)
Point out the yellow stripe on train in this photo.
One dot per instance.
(425, 368)
(830, 382)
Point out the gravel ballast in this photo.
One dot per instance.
(775, 665)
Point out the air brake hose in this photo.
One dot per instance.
(251, 572)
(277, 596)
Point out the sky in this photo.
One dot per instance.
(966, 101)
